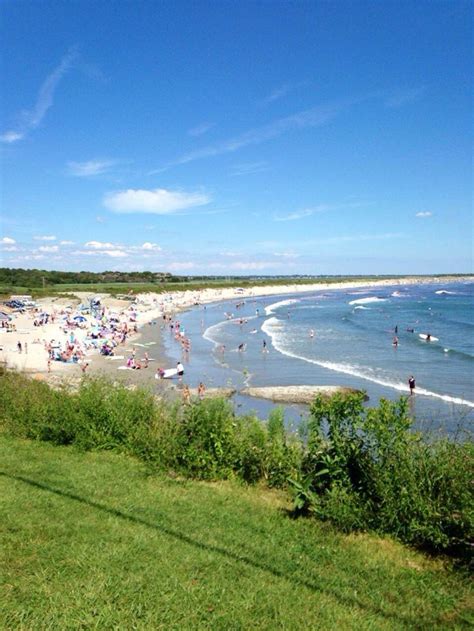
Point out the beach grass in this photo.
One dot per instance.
(89, 540)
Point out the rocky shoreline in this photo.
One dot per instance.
(296, 394)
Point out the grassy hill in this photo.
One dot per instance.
(89, 540)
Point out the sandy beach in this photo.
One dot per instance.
(38, 340)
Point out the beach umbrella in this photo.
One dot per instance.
(80, 318)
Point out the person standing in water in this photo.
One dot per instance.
(411, 384)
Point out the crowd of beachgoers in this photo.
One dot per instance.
(51, 335)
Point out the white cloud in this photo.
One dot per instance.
(321, 208)
(249, 168)
(10, 248)
(45, 238)
(288, 255)
(158, 201)
(66, 243)
(89, 168)
(98, 245)
(277, 94)
(244, 266)
(201, 129)
(355, 237)
(48, 248)
(7, 240)
(424, 214)
(404, 96)
(99, 252)
(150, 246)
(11, 136)
(296, 215)
(181, 265)
(115, 253)
(30, 119)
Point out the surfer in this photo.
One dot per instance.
(241, 347)
(264, 346)
(411, 384)
(395, 341)
(428, 337)
(311, 333)
(180, 369)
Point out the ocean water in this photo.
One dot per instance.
(344, 337)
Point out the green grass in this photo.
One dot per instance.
(88, 540)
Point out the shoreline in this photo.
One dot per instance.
(150, 309)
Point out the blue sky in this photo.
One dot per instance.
(237, 137)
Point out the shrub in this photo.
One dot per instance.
(364, 468)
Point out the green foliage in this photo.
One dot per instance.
(203, 440)
(365, 469)
(359, 468)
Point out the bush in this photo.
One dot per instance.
(365, 469)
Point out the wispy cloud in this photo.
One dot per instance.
(178, 266)
(356, 237)
(98, 252)
(296, 215)
(424, 214)
(7, 241)
(201, 129)
(11, 136)
(403, 96)
(89, 168)
(286, 255)
(66, 242)
(314, 117)
(249, 168)
(48, 248)
(320, 208)
(281, 91)
(45, 238)
(30, 119)
(276, 94)
(253, 265)
(158, 201)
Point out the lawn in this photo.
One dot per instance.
(89, 540)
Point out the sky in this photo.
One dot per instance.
(237, 138)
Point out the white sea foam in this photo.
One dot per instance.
(399, 294)
(282, 303)
(441, 292)
(362, 307)
(363, 301)
(271, 328)
(210, 334)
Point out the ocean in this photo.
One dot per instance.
(343, 337)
